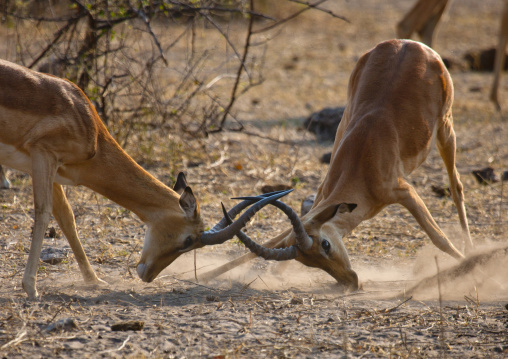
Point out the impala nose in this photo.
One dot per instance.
(141, 269)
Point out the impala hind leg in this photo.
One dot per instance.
(428, 30)
(44, 167)
(65, 218)
(422, 18)
(408, 197)
(500, 57)
(446, 146)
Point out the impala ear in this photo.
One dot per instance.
(181, 183)
(327, 213)
(346, 207)
(189, 204)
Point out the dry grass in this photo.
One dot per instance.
(284, 310)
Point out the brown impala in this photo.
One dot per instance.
(49, 129)
(399, 102)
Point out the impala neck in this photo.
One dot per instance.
(350, 180)
(115, 175)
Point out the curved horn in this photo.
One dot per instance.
(278, 254)
(233, 212)
(303, 240)
(219, 235)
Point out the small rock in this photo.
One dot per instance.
(66, 325)
(75, 345)
(274, 188)
(501, 349)
(53, 255)
(296, 300)
(192, 164)
(324, 123)
(454, 64)
(441, 191)
(307, 204)
(482, 60)
(52, 232)
(129, 325)
(504, 177)
(485, 176)
(326, 158)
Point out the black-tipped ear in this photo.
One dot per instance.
(327, 213)
(189, 204)
(346, 207)
(181, 183)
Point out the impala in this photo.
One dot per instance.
(399, 103)
(49, 129)
(424, 17)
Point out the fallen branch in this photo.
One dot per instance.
(18, 340)
(117, 349)
(389, 310)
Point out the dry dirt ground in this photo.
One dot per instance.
(283, 310)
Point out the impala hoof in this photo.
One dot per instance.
(31, 292)
(96, 282)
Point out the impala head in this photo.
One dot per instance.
(182, 230)
(171, 235)
(315, 241)
(327, 250)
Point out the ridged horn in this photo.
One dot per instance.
(278, 254)
(220, 233)
(238, 208)
(303, 240)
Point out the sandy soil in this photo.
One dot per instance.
(267, 309)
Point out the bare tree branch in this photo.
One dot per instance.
(239, 73)
(145, 19)
(56, 37)
(316, 6)
(298, 13)
(118, 71)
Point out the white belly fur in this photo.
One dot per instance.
(12, 158)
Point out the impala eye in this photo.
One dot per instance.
(326, 246)
(188, 242)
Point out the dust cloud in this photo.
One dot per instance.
(482, 275)
(256, 274)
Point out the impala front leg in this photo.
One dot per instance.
(43, 173)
